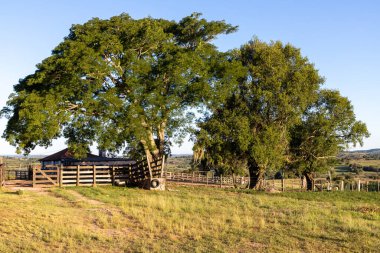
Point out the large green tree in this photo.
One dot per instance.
(253, 123)
(119, 82)
(327, 127)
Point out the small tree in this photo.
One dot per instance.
(328, 126)
(253, 123)
(223, 138)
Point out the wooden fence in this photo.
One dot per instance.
(294, 184)
(206, 179)
(17, 174)
(92, 175)
(135, 173)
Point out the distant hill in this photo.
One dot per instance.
(366, 151)
(371, 154)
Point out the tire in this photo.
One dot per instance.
(155, 183)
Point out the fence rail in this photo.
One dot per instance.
(296, 184)
(92, 175)
(199, 178)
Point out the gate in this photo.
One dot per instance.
(46, 177)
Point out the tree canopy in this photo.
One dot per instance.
(119, 82)
(277, 86)
(277, 117)
(327, 127)
(125, 82)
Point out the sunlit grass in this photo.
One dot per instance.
(188, 219)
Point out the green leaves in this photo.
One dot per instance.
(115, 82)
(327, 127)
(251, 122)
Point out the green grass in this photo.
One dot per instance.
(178, 163)
(366, 162)
(188, 219)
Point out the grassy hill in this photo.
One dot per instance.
(18, 162)
(183, 219)
(179, 163)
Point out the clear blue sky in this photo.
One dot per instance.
(340, 37)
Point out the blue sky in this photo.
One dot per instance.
(340, 37)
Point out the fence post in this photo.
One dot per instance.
(282, 184)
(206, 178)
(162, 166)
(78, 174)
(34, 177)
(94, 176)
(221, 181)
(192, 178)
(1, 174)
(359, 185)
(113, 175)
(60, 175)
(342, 185)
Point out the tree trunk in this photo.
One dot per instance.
(303, 182)
(309, 180)
(161, 138)
(256, 176)
(151, 150)
(152, 153)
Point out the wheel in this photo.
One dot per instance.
(154, 183)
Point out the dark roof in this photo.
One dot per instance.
(65, 155)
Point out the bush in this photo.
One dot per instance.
(338, 178)
(348, 177)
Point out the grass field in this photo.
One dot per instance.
(178, 163)
(184, 219)
(365, 162)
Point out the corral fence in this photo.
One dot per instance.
(368, 185)
(202, 177)
(15, 171)
(93, 175)
(18, 174)
(291, 184)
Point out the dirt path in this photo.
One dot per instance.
(84, 199)
(24, 185)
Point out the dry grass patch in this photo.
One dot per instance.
(114, 219)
